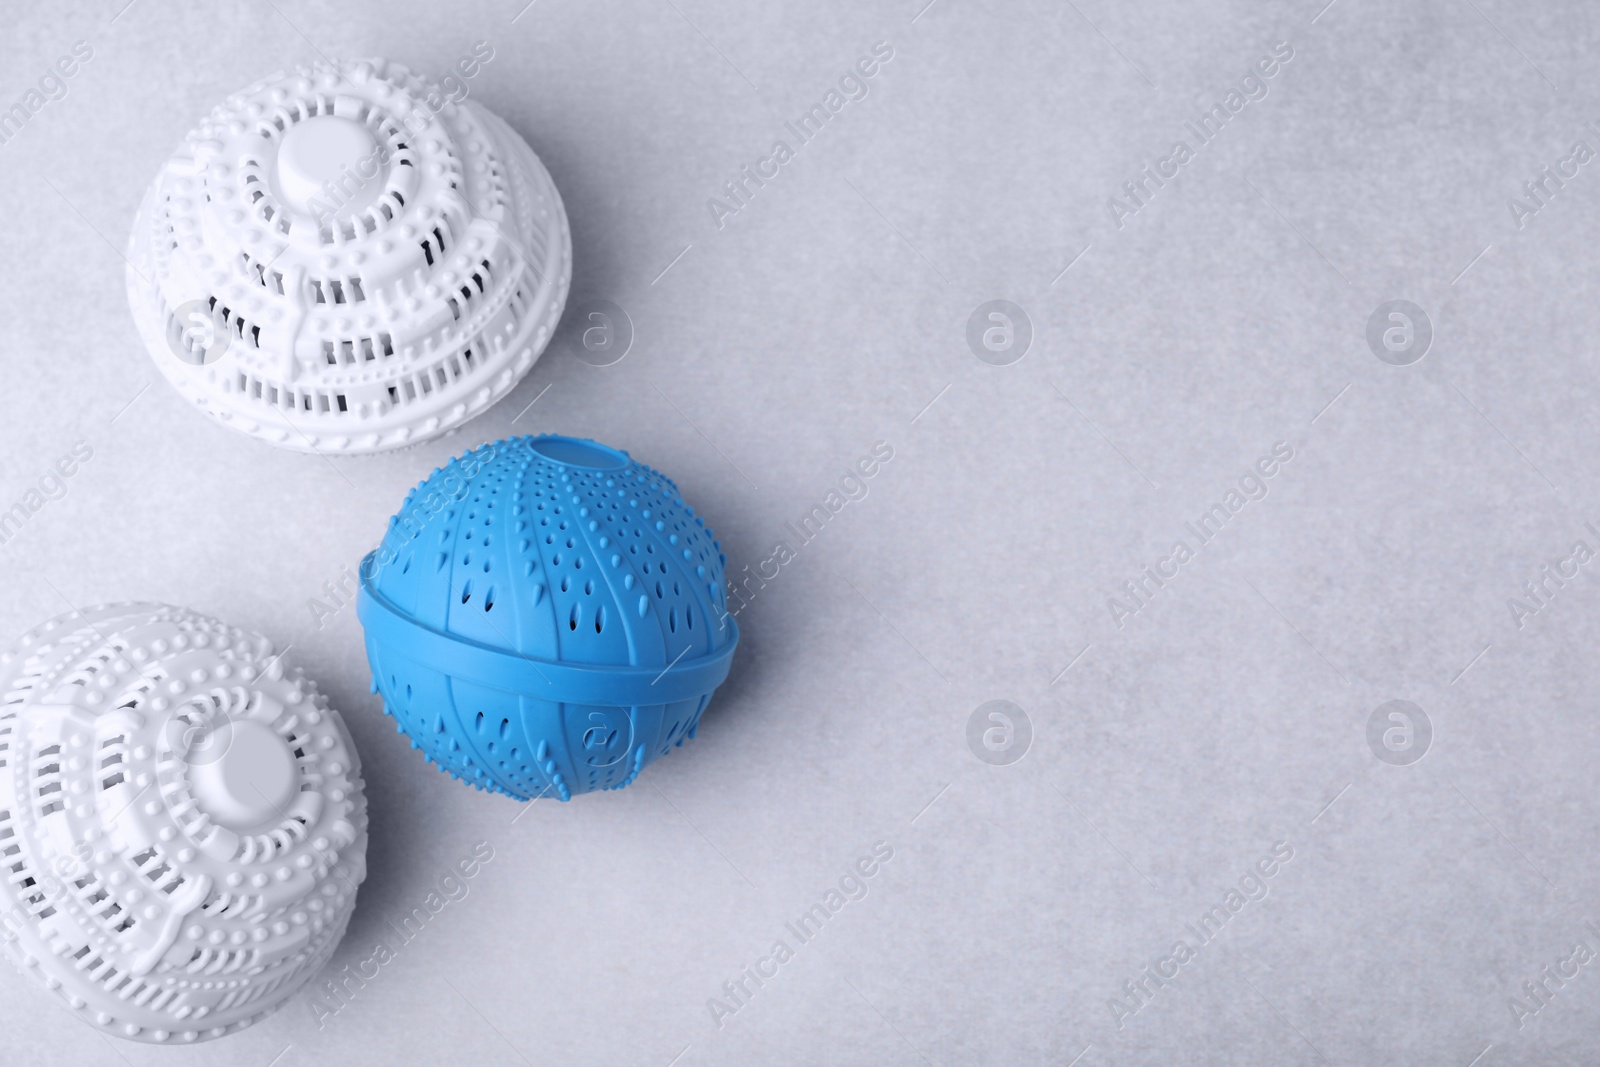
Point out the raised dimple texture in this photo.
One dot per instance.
(536, 547)
(333, 263)
(123, 890)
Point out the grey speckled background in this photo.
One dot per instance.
(1169, 754)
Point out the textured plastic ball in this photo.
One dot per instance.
(545, 616)
(182, 826)
(341, 259)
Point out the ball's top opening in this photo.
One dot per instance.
(327, 164)
(571, 452)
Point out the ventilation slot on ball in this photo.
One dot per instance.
(92, 667)
(371, 221)
(102, 905)
(113, 761)
(435, 245)
(434, 379)
(358, 350)
(337, 290)
(134, 694)
(164, 226)
(221, 903)
(194, 718)
(305, 756)
(12, 858)
(157, 871)
(240, 327)
(262, 203)
(271, 394)
(350, 229)
(481, 279)
(277, 124)
(270, 280)
(125, 987)
(47, 781)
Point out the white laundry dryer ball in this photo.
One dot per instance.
(342, 260)
(182, 825)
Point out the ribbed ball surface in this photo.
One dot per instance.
(182, 826)
(546, 616)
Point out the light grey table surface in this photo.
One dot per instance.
(1173, 748)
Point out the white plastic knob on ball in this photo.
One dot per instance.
(182, 825)
(342, 260)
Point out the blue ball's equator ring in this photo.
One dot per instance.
(617, 686)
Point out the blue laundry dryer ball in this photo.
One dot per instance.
(545, 616)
